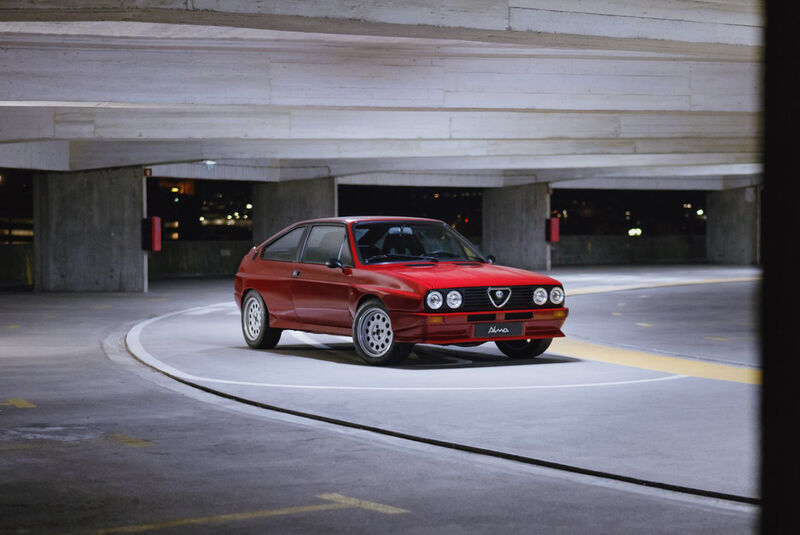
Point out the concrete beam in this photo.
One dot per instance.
(95, 74)
(726, 27)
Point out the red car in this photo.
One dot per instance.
(391, 283)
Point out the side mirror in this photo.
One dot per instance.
(334, 263)
(491, 258)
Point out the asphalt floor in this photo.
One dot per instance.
(658, 381)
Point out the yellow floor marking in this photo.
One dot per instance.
(716, 338)
(612, 288)
(335, 501)
(642, 324)
(19, 403)
(362, 504)
(14, 326)
(616, 313)
(649, 361)
(127, 440)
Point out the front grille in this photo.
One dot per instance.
(477, 299)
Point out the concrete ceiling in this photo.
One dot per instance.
(486, 93)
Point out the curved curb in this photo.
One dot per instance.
(132, 344)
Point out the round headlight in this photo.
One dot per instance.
(557, 295)
(454, 299)
(434, 300)
(540, 296)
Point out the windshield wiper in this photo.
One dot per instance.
(394, 256)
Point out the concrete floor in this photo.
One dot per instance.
(656, 382)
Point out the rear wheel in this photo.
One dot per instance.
(373, 336)
(255, 323)
(524, 349)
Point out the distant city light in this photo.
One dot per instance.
(249, 206)
(636, 231)
(687, 205)
(700, 212)
(176, 199)
(202, 218)
(175, 189)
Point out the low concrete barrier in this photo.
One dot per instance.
(197, 258)
(600, 249)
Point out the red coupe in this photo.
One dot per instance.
(391, 283)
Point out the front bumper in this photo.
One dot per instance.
(459, 328)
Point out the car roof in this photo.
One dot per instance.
(361, 219)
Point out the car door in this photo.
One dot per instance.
(273, 279)
(320, 293)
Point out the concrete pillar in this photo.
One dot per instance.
(733, 230)
(514, 225)
(278, 204)
(87, 231)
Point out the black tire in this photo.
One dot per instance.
(255, 323)
(373, 336)
(524, 349)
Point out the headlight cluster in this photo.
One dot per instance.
(435, 300)
(556, 295)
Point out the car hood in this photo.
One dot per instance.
(461, 275)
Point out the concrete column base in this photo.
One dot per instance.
(279, 204)
(514, 225)
(733, 230)
(87, 231)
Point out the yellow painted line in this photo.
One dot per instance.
(362, 504)
(616, 313)
(334, 502)
(127, 440)
(14, 326)
(19, 403)
(649, 361)
(716, 338)
(642, 324)
(616, 288)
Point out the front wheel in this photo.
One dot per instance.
(373, 336)
(255, 323)
(524, 349)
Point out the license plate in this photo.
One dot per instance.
(492, 330)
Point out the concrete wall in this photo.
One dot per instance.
(733, 231)
(197, 258)
(599, 249)
(514, 223)
(88, 231)
(278, 204)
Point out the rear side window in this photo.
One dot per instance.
(284, 249)
(324, 242)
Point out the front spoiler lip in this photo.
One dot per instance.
(455, 329)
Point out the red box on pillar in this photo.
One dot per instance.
(155, 233)
(551, 228)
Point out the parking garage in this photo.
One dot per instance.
(131, 402)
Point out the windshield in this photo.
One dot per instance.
(399, 241)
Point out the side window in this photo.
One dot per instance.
(324, 242)
(284, 248)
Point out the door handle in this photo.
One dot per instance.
(296, 273)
